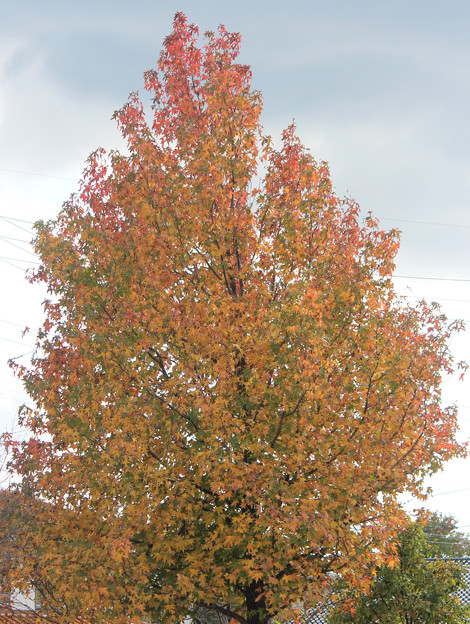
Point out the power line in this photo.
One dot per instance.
(436, 298)
(446, 535)
(457, 542)
(450, 492)
(40, 175)
(438, 279)
(18, 260)
(17, 342)
(457, 225)
(4, 238)
(18, 240)
(10, 220)
(22, 325)
(13, 265)
(16, 219)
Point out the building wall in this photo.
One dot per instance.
(22, 602)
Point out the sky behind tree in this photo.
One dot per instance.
(378, 89)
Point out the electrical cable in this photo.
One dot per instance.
(16, 219)
(17, 342)
(23, 270)
(19, 240)
(437, 279)
(9, 221)
(17, 246)
(436, 298)
(16, 324)
(465, 489)
(40, 175)
(18, 260)
(456, 225)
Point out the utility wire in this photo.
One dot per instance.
(32, 173)
(10, 220)
(18, 260)
(11, 323)
(450, 492)
(18, 240)
(436, 298)
(456, 225)
(4, 238)
(438, 279)
(446, 535)
(13, 265)
(431, 542)
(16, 219)
(16, 342)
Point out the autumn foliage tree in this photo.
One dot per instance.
(228, 394)
(18, 547)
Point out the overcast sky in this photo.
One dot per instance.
(379, 89)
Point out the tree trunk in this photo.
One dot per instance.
(256, 612)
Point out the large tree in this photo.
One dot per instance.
(228, 394)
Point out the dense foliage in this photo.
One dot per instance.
(443, 538)
(415, 591)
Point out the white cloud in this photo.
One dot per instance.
(45, 128)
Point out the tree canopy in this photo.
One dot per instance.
(443, 538)
(415, 591)
(227, 394)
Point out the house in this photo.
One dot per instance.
(11, 616)
(16, 601)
